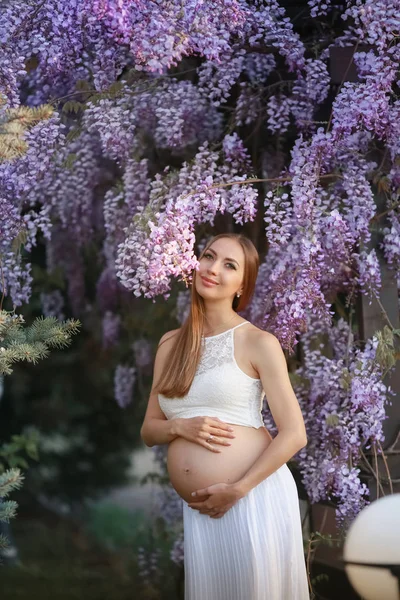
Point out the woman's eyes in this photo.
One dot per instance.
(208, 255)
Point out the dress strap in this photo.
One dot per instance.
(240, 324)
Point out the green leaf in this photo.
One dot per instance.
(82, 85)
(115, 88)
(10, 480)
(72, 106)
(18, 461)
(332, 420)
(73, 134)
(8, 510)
(69, 161)
(19, 240)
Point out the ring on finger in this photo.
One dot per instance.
(210, 439)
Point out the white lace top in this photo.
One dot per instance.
(219, 388)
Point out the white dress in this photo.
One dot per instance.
(255, 551)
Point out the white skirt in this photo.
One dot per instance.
(254, 552)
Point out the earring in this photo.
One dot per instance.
(238, 295)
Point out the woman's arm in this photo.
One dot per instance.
(156, 429)
(268, 359)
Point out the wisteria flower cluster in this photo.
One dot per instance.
(124, 381)
(147, 262)
(148, 563)
(343, 401)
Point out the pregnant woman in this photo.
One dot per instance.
(241, 517)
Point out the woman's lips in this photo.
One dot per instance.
(208, 282)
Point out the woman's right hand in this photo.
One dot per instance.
(200, 429)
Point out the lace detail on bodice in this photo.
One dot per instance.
(219, 388)
(216, 351)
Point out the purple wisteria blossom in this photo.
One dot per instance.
(278, 111)
(110, 329)
(391, 243)
(124, 381)
(143, 353)
(177, 552)
(319, 7)
(148, 564)
(149, 258)
(343, 402)
(53, 304)
(369, 274)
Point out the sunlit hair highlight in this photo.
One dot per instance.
(182, 361)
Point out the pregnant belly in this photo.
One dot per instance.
(192, 467)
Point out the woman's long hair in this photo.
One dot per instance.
(181, 364)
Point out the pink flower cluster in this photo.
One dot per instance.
(160, 245)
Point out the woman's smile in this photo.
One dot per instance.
(208, 282)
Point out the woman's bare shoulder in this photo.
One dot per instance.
(255, 336)
(168, 337)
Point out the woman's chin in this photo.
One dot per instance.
(206, 291)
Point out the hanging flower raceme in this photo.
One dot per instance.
(122, 203)
(160, 246)
(376, 22)
(319, 7)
(124, 381)
(53, 304)
(369, 273)
(343, 403)
(110, 329)
(391, 242)
(11, 223)
(288, 287)
(366, 104)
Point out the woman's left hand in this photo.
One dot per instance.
(215, 500)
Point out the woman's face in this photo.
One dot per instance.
(220, 274)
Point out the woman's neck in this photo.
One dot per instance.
(219, 320)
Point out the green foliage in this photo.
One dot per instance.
(85, 440)
(8, 510)
(62, 562)
(332, 420)
(345, 380)
(29, 344)
(72, 106)
(115, 527)
(12, 478)
(385, 352)
(73, 133)
(69, 162)
(9, 452)
(3, 542)
(9, 481)
(13, 125)
(19, 241)
(34, 342)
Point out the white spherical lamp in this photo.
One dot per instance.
(371, 550)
